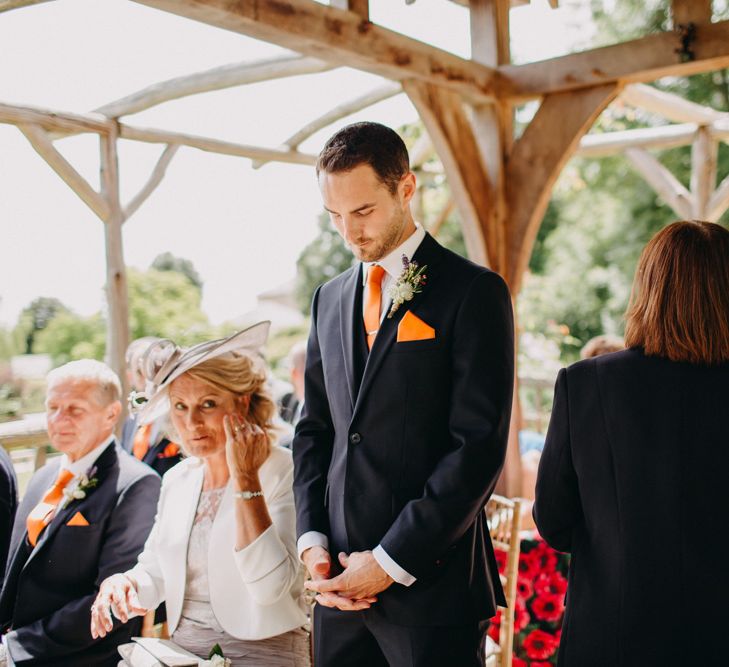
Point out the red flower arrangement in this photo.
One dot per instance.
(540, 645)
(541, 588)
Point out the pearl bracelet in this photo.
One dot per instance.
(248, 495)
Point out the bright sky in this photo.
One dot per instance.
(242, 228)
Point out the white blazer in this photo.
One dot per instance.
(255, 592)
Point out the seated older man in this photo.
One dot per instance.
(84, 517)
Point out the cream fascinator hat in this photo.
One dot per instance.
(164, 361)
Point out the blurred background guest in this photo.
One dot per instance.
(8, 505)
(599, 345)
(633, 477)
(222, 553)
(293, 401)
(84, 516)
(150, 443)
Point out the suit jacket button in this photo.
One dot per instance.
(355, 438)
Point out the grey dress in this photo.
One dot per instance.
(198, 630)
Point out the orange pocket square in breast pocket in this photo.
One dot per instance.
(411, 327)
(78, 519)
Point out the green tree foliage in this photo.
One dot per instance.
(165, 304)
(70, 336)
(169, 262)
(36, 317)
(325, 257)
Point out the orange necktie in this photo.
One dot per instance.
(43, 513)
(141, 442)
(373, 301)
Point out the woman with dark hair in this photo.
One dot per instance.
(633, 478)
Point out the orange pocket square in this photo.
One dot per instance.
(411, 327)
(78, 519)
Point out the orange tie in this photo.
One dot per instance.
(373, 301)
(141, 442)
(43, 513)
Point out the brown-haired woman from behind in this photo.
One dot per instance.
(633, 478)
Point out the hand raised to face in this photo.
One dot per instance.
(246, 446)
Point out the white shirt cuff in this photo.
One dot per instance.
(391, 567)
(311, 539)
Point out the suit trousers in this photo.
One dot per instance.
(365, 639)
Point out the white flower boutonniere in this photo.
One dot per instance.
(409, 283)
(85, 483)
(216, 658)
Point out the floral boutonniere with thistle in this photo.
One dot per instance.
(216, 658)
(409, 283)
(85, 483)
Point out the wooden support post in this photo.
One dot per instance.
(117, 337)
(690, 11)
(666, 185)
(158, 173)
(703, 172)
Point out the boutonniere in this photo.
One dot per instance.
(216, 658)
(409, 283)
(85, 483)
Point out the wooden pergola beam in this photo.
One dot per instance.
(53, 121)
(641, 60)
(154, 136)
(662, 137)
(445, 120)
(339, 36)
(668, 105)
(360, 7)
(719, 201)
(158, 173)
(39, 140)
(218, 78)
(684, 12)
(537, 160)
(7, 5)
(666, 185)
(704, 153)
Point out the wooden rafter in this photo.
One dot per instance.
(668, 105)
(360, 7)
(536, 161)
(42, 144)
(641, 60)
(53, 121)
(666, 185)
(218, 78)
(339, 36)
(7, 5)
(445, 120)
(158, 173)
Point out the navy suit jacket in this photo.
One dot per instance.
(633, 483)
(403, 446)
(48, 592)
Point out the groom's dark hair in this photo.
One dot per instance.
(366, 143)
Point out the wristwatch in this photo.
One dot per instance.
(248, 495)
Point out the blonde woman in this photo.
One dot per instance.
(222, 552)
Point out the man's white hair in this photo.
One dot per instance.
(89, 370)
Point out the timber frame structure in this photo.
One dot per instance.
(499, 184)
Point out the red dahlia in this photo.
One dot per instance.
(553, 583)
(518, 662)
(544, 558)
(500, 559)
(528, 566)
(548, 607)
(540, 645)
(524, 588)
(521, 616)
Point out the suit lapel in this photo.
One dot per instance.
(352, 331)
(103, 464)
(427, 254)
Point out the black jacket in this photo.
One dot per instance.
(633, 483)
(8, 504)
(48, 591)
(402, 447)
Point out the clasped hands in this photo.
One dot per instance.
(356, 588)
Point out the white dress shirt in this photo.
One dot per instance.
(85, 463)
(393, 265)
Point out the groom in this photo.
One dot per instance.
(404, 425)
